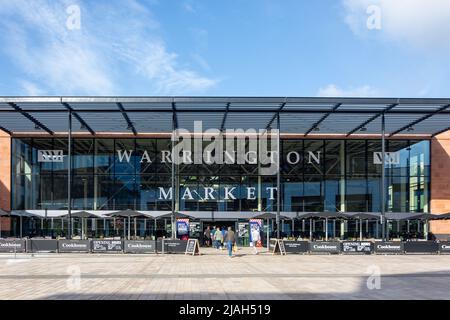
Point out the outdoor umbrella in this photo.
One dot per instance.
(177, 215)
(321, 215)
(82, 215)
(128, 213)
(267, 216)
(363, 216)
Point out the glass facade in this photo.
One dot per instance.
(316, 175)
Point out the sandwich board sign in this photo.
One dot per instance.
(192, 247)
(278, 247)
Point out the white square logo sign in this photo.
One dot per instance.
(50, 156)
(390, 158)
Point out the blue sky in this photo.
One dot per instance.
(238, 48)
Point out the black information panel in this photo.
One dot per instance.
(42, 245)
(145, 246)
(389, 247)
(106, 246)
(175, 246)
(364, 247)
(296, 246)
(325, 247)
(421, 247)
(444, 247)
(12, 245)
(74, 246)
(192, 247)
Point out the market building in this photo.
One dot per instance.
(63, 155)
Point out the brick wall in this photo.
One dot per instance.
(440, 181)
(5, 171)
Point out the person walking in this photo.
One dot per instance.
(230, 240)
(207, 235)
(256, 237)
(218, 237)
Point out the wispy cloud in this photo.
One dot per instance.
(333, 90)
(103, 57)
(424, 24)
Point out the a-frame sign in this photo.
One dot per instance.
(278, 246)
(192, 247)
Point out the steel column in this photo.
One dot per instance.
(383, 178)
(278, 177)
(172, 217)
(69, 175)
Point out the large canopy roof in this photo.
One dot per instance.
(304, 116)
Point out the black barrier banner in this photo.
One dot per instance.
(388, 247)
(296, 246)
(444, 247)
(357, 247)
(421, 247)
(175, 246)
(143, 246)
(74, 246)
(106, 245)
(12, 245)
(42, 245)
(325, 246)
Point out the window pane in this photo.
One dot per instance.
(125, 156)
(356, 157)
(313, 159)
(83, 156)
(334, 157)
(104, 156)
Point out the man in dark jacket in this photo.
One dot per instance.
(230, 240)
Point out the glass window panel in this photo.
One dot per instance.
(206, 203)
(147, 192)
(373, 195)
(356, 194)
(83, 156)
(292, 159)
(104, 192)
(59, 192)
(372, 147)
(334, 157)
(402, 147)
(356, 157)
(313, 194)
(249, 193)
(83, 192)
(268, 197)
(419, 158)
(61, 167)
(125, 192)
(293, 193)
(398, 200)
(145, 151)
(229, 204)
(41, 167)
(334, 195)
(164, 146)
(104, 156)
(313, 157)
(45, 199)
(125, 156)
(189, 193)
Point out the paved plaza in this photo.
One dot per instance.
(215, 276)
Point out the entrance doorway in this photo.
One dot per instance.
(223, 225)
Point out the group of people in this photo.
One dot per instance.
(219, 238)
